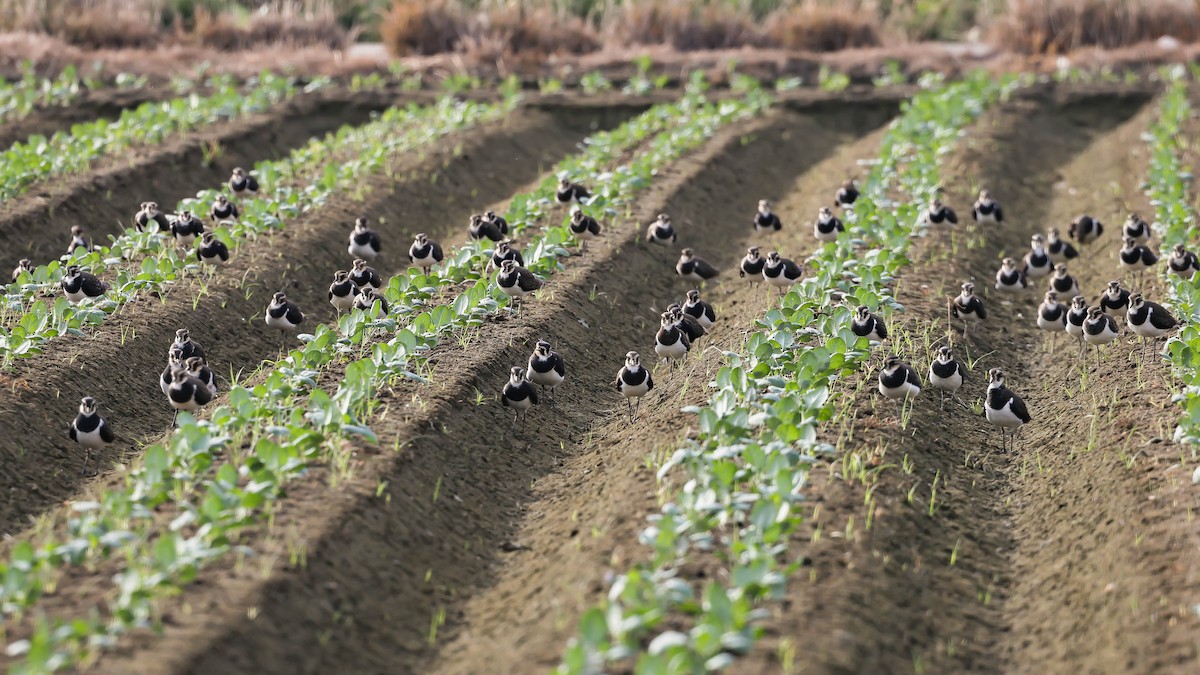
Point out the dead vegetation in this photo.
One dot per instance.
(1063, 26)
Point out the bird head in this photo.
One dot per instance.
(666, 320)
(752, 252)
(221, 200)
(279, 298)
(420, 239)
(825, 214)
(564, 182)
(1135, 301)
(151, 207)
(502, 248)
(489, 215)
(208, 236)
(848, 184)
(194, 364)
(72, 271)
(1179, 250)
(687, 254)
(1060, 270)
(179, 375)
(764, 206)
(87, 406)
(1009, 263)
(1095, 312)
(1130, 242)
(985, 196)
(360, 224)
(944, 355)
(632, 360)
(1052, 234)
(516, 375)
(182, 335)
(542, 348)
(340, 276)
(185, 215)
(1114, 287)
(576, 215)
(25, 264)
(1133, 218)
(476, 219)
(891, 362)
(996, 377)
(359, 264)
(663, 219)
(863, 312)
(1051, 297)
(175, 356)
(935, 205)
(508, 266)
(968, 288)
(239, 172)
(773, 258)
(1037, 241)
(76, 230)
(1078, 303)
(693, 296)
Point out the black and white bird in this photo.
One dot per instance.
(212, 250)
(364, 275)
(1004, 409)
(497, 221)
(1085, 229)
(1137, 258)
(368, 297)
(1009, 277)
(1114, 300)
(751, 266)
(633, 382)
(571, 192)
(1060, 249)
(898, 382)
(78, 240)
(479, 228)
(1063, 283)
(1149, 320)
(516, 282)
(283, 315)
(1183, 262)
(1099, 329)
(846, 195)
(968, 307)
(424, 252)
(583, 227)
(939, 213)
(185, 228)
(90, 430)
(986, 209)
(765, 220)
(781, 272)
(1136, 228)
(186, 393)
(241, 183)
(670, 342)
(865, 324)
(827, 226)
(78, 284)
(186, 345)
(1076, 316)
(688, 324)
(174, 361)
(364, 242)
(197, 368)
(1037, 261)
(1052, 316)
(661, 231)
(505, 251)
(945, 373)
(24, 266)
(150, 213)
(694, 269)
(342, 291)
(223, 209)
(518, 394)
(699, 310)
(546, 368)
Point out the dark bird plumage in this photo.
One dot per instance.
(546, 367)
(364, 242)
(363, 275)
(24, 266)
(752, 265)
(518, 393)
(186, 345)
(425, 252)
(865, 324)
(568, 192)
(150, 213)
(699, 310)
(967, 307)
(661, 231)
(939, 213)
(1136, 228)
(505, 251)
(1183, 262)
(90, 430)
(223, 209)
(367, 298)
(633, 382)
(846, 195)
(480, 228)
(1003, 408)
(515, 281)
(242, 183)
(212, 250)
(78, 240)
(1114, 300)
(781, 272)
(78, 284)
(694, 269)
(1060, 250)
(827, 226)
(986, 209)
(1085, 229)
(185, 228)
(583, 227)
(765, 220)
(343, 291)
(283, 314)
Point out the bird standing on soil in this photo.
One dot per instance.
(212, 250)
(1136, 258)
(571, 192)
(1052, 316)
(505, 251)
(364, 242)
(865, 324)
(516, 282)
(186, 345)
(1060, 250)
(986, 209)
(223, 209)
(1009, 277)
(686, 323)
(846, 195)
(342, 291)
(781, 272)
(185, 228)
(150, 213)
(1004, 409)
(497, 221)
(479, 228)
(765, 220)
(670, 343)
(241, 183)
(699, 310)
(90, 430)
(1148, 320)
(367, 298)
(583, 227)
(424, 252)
(661, 231)
(174, 362)
(939, 213)
(634, 382)
(1076, 317)
(24, 266)
(1136, 228)
(78, 284)
(363, 275)
(546, 367)
(898, 382)
(1063, 283)
(1085, 229)
(518, 394)
(197, 368)
(751, 266)
(1037, 261)
(827, 227)
(1183, 262)
(186, 393)
(1114, 300)
(1099, 329)
(945, 373)
(967, 307)
(78, 240)
(283, 315)
(694, 269)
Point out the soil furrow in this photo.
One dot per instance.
(106, 104)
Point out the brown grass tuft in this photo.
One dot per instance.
(684, 25)
(226, 33)
(422, 27)
(822, 28)
(1060, 26)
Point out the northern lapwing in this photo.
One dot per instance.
(546, 368)
(867, 325)
(898, 382)
(212, 250)
(751, 266)
(1148, 320)
(185, 228)
(1099, 329)
(765, 220)
(1063, 283)
(197, 368)
(90, 430)
(174, 362)
(242, 183)
(1009, 277)
(699, 310)
(342, 291)
(425, 252)
(827, 226)
(78, 240)
(1182, 262)
(633, 382)
(1052, 316)
(1137, 258)
(846, 195)
(939, 213)
(479, 228)
(1114, 300)
(694, 269)
(1037, 261)
(986, 209)
(583, 227)
(688, 324)
(283, 315)
(364, 275)
(150, 213)
(1060, 249)
(967, 307)
(497, 221)
(1076, 316)
(1004, 409)
(670, 342)
(367, 298)
(945, 373)
(568, 192)
(186, 345)
(24, 266)
(781, 272)
(1085, 229)
(78, 284)
(223, 209)
(516, 282)
(364, 242)
(518, 394)
(1136, 228)
(186, 393)
(661, 231)
(505, 251)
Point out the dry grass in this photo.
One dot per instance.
(822, 28)
(417, 28)
(1061, 26)
(684, 25)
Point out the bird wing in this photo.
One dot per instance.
(1160, 318)
(251, 184)
(437, 251)
(881, 328)
(71, 432)
(649, 381)
(1018, 408)
(593, 226)
(202, 394)
(373, 239)
(999, 214)
(294, 315)
(704, 269)
(106, 433)
(912, 377)
(978, 304)
(1069, 251)
(527, 281)
(974, 213)
(559, 367)
(950, 215)
(532, 392)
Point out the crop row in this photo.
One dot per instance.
(220, 475)
(743, 474)
(19, 98)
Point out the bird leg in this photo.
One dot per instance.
(175, 419)
(87, 455)
(513, 426)
(637, 408)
